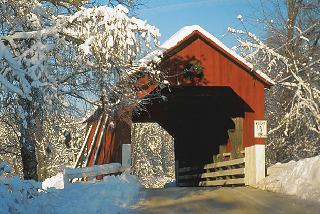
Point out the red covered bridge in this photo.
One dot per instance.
(214, 99)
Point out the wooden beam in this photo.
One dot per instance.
(93, 143)
(214, 158)
(224, 163)
(188, 184)
(91, 172)
(189, 177)
(188, 169)
(226, 154)
(222, 182)
(83, 148)
(222, 149)
(100, 141)
(177, 172)
(236, 138)
(239, 171)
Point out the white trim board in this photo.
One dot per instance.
(254, 164)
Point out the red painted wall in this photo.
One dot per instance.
(220, 70)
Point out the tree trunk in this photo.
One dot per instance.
(292, 14)
(28, 155)
(28, 140)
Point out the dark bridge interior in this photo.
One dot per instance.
(197, 117)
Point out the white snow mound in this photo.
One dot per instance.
(115, 194)
(301, 178)
(112, 195)
(53, 182)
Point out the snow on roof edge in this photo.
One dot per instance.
(185, 32)
(264, 76)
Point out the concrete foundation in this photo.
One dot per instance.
(126, 155)
(254, 164)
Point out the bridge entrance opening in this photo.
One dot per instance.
(152, 153)
(198, 118)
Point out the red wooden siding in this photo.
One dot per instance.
(113, 134)
(220, 69)
(223, 74)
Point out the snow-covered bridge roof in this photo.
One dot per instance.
(187, 32)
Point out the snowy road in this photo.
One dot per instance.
(221, 200)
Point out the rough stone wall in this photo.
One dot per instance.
(152, 154)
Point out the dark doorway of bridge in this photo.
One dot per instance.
(198, 118)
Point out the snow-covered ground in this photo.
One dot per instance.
(301, 178)
(115, 194)
(112, 195)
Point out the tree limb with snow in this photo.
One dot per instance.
(290, 56)
(56, 65)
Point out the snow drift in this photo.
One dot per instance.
(301, 178)
(54, 182)
(112, 195)
(15, 194)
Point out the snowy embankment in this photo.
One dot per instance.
(112, 195)
(301, 178)
(53, 182)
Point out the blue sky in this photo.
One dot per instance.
(213, 15)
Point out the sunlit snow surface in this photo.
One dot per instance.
(112, 195)
(301, 178)
(115, 194)
(53, 182)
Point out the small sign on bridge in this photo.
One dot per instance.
(260, 129)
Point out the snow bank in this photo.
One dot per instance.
(4, 168)
(301, 178)
(53, 182)
(15, 194)
(112, 195)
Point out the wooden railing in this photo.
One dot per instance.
(228, 172)
(189, 176)
(91, 172)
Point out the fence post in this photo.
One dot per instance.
(126, 155)
(65, 178)
(177, 172)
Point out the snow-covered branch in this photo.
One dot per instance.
(53, 64)
(293, 102)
